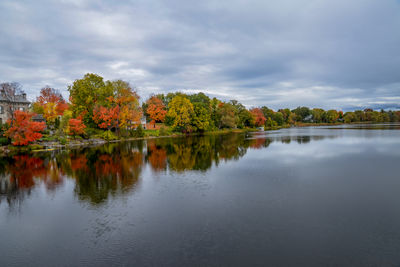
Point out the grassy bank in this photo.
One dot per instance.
(53, 142)
(98, 137)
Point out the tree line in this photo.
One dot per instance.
(111, 110)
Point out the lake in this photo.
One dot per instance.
(313, 196)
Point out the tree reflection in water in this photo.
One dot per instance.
(114, 169)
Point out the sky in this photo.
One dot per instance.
(319, 53)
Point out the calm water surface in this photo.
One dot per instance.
(326, 196)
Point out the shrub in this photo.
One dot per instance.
(92, 132)
(76, 127)
(62, 141)
(139, 132)
(35, 147)
(108, 136)
(150, 132)
(23, 130)
(163, 131)
(125, 133)
(4, 141)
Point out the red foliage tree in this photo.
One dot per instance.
(156, 109)
(23, 130)
(51, 97)
(106, 118)
(76, 127)
(258, 116)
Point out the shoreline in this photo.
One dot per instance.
(91, 142)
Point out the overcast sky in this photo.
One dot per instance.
(320, 53)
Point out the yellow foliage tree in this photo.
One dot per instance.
(181, 110)
(50, 112)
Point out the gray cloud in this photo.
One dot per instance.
(330, 54)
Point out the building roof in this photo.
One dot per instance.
(17, 98)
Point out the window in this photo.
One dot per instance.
(1, 110)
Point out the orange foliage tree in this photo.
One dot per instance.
(258, 116)
(51, 104)
(127, 100)
(76, 127)
(23, 130)
(106, 118)
(121, 110)
(156, 109)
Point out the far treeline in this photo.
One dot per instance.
(111, 110)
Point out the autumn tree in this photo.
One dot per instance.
(121, 110)
(181, 112)
(76, 127)
(64, 123)
(243, 116)
(156, 109)
(23, 130)
(226, 116)
(268, 113)
(106, 118)
(258, 117)
(127, 99)
(51, 104)
(86, 94)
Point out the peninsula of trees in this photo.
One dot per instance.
(111, 110)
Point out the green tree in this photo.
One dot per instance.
(268, 113)
(215, 116)
(246, 119)
(200, 98)
(226, 115)
(360, 116)
(201, 118)
(279, 118)
(243, 116)
(332, 116)
(349, 117)
(301, 113)
(86, 93)
(318, 114)
(286, 114)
